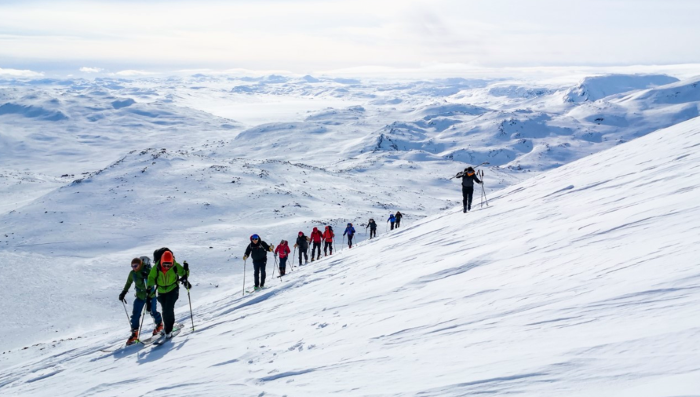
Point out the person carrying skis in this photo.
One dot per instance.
(258, 249)
(140, 268)
(398, 217)
(391, 219)
(165, 275)
(328, 238)
(283, 251)
(468, 179)
(316, 237)
(303, 245)
(372, 225)
(350, 231)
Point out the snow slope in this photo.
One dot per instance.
(582, 281)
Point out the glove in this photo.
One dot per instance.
(245, 257)
(151, 293)
(148, 305)
(272, 248)
(122, 295)
(295, 245)
(186, 283)
(186, 265)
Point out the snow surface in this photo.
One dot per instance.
(95, 172)
(576, 282)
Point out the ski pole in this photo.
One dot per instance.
(273, 269)
(143, 314)
(190, 300)
(127, 313)
(244, 265)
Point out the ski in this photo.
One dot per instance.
(177, 328)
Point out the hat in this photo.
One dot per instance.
(254, 237)
(167, 257)
(301, 234)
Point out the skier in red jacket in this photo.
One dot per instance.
(316, 237)
(328, 238)
(283, 251)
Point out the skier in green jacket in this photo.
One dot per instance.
(165, 275)
(141, 267)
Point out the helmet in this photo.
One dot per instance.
(254, 237)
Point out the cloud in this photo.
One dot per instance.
(19, 73)
(132, 73)
(90, 70)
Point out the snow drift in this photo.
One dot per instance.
(581, 281)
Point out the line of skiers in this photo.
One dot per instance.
(162, 278)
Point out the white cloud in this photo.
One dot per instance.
(132, 73)
(19, 73)
(90, 70)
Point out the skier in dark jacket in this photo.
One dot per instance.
(372, 225)
(139, 277)
(303, 245)
(258, 249)
(391, 219)
(398, 217)
(468, 179)
(349, 231)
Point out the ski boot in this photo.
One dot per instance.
(133, 338)
(158, 329)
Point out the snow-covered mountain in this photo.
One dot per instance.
(580, 281)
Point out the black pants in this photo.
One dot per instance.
(350, 240)
(259, 273)
(316, 246)
(398, 223)
(467, 194)
(327, 246)
(167, 303)
(283, 265)
(372, 233)
(392, 225)
(303, 252)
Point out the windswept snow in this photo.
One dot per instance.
(580, 281)
(556, 289)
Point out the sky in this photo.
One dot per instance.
(307, 36)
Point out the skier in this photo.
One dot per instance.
(391, 219)
(350, 231)
(165, 275)
(328, 238)
(258, 250)
(139, 276)
(372, 225)
(468, 179)
(398, 217)
(303, 245)
(316, 237)
(283, 251)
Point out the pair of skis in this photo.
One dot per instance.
(155, 340)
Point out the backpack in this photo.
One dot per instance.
(157, 254)
(331, 229)
(146, 264)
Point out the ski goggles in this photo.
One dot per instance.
(167, 265)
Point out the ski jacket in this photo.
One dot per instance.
(328, 236)
(398, 216)
(166, 281)
(140, 280)
(372, 225)
(468, 180)
(282, 250)
(391, 218)
(257, 251)
(349, 231)
(302, 242)
(316, 235)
